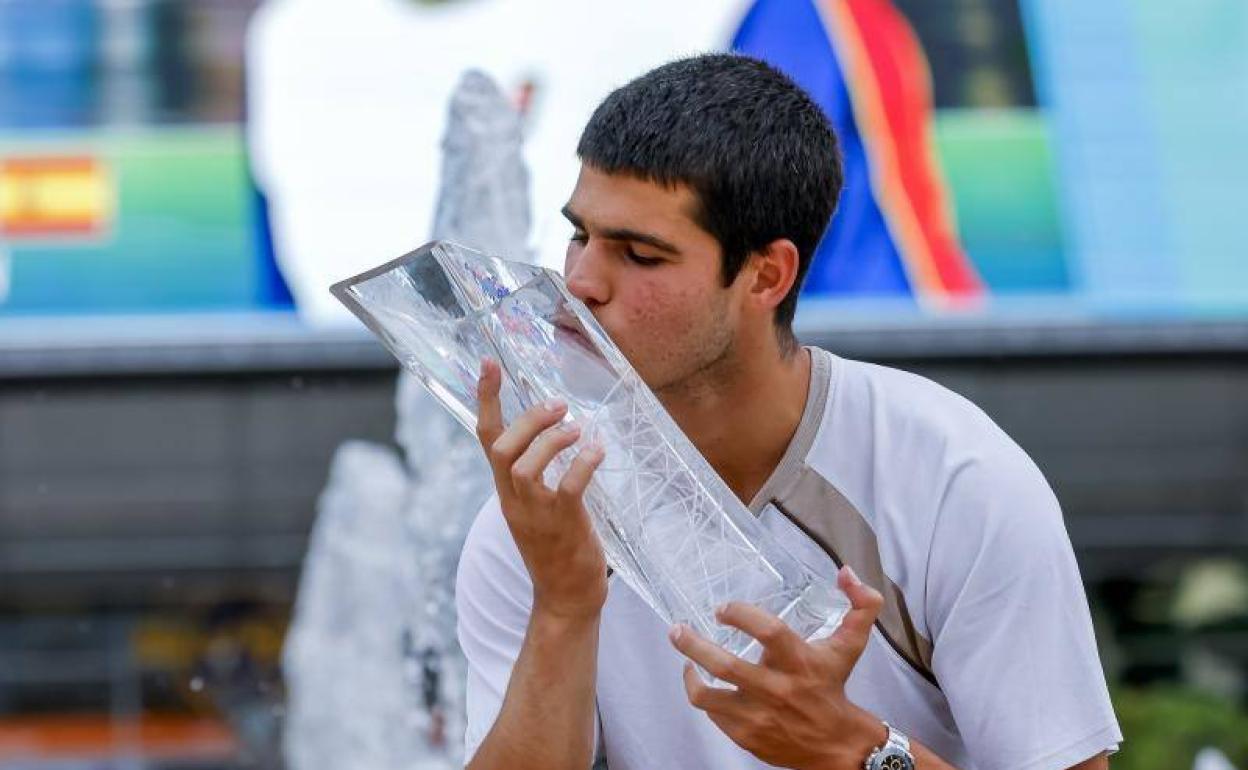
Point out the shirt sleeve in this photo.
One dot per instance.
(493, 599)
(1013, 647)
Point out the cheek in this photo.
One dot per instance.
(668, 323)
(686, 307)
(657, 303)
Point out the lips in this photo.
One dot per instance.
(569, 331)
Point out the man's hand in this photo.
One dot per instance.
(551, 528)
(790, 708)
(547, 717)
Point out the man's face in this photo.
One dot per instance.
(650, 275)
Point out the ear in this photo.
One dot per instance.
(773, 271)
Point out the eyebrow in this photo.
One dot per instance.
(622, 233)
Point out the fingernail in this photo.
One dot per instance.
(553, 405)
(720, 610)
(852, 576)
(594, 452)
(570, 428)
(674, 633)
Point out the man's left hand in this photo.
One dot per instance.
(789, 709)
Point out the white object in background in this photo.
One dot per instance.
(412, 525)
(346, 111)
(1212, 759)
(484, 200)
(342, 659)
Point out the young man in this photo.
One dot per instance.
(705, 187)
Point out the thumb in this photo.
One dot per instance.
(850, 637)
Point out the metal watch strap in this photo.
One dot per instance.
(893, 755)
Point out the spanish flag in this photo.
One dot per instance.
(894, 231)
(54, 197)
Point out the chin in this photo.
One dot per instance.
(659, 382)
(643, 369)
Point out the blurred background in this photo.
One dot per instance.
(1045, 211)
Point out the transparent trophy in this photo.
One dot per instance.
(669, 526)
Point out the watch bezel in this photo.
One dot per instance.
(880, 757)
(897, 746)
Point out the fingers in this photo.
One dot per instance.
(576, 479)
(865, 604)
(519, 453)
(490, 424)
(507, 443)
(783, 646)
(527, 472)
(720, 663)
(504, 445)
(517, 437)
(726, 708)
(489, 408)
(702, 695)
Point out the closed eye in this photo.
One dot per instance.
(582, 238)
(640, 260)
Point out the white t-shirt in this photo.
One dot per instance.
(984, 652)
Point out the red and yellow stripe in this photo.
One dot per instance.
(890, 90)
(54, 196)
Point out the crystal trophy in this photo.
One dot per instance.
(669, 526)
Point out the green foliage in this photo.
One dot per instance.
(1164, 728)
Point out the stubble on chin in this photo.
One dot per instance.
(704, 375)
(689, 366)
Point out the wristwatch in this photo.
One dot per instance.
(893, 755)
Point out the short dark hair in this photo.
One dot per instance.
(758, 153)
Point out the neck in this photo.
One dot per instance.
(742, 411)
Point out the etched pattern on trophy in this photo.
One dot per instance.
(669, 525)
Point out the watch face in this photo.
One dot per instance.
(895, 759)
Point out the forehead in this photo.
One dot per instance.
(620, 201)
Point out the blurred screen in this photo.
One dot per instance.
(1088, 150)
(123, 181)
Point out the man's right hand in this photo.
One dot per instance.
(551, 527)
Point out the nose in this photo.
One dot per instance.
(587, 274)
